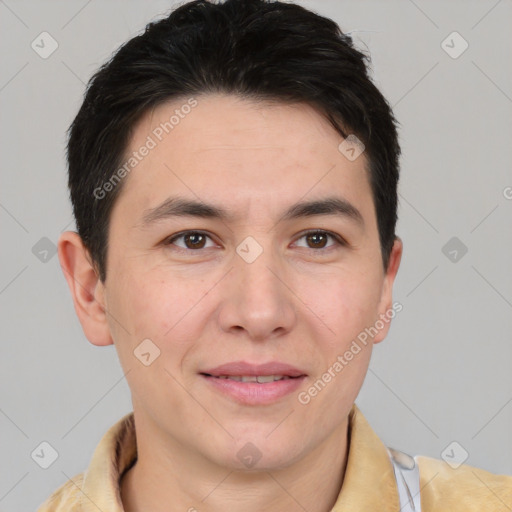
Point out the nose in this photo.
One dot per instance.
(258, 302)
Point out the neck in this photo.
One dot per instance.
(171, 475)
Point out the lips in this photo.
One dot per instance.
(254, 384)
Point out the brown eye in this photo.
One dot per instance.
(317, 240)
(320, 239)
(192, 240)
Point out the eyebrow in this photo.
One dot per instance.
(180, 207)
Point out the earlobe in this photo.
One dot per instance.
(386, 302)
(86, 288)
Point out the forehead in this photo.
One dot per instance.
(218, 121)
(238, 149)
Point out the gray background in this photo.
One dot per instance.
(442, 375)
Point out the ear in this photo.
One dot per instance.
(87, 290)
(386, 300)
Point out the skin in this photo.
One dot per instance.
(298, 303)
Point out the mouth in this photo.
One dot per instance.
(253, 384)
(260, 379)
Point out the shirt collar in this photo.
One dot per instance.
(369, 482)
(116, 452)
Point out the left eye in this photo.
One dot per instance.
(191, 240)
(319, 239)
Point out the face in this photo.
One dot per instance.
(244, 244)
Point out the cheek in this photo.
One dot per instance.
(166, 309)
(149, 307)
(139, 308)
(344, 302)
(142, 304)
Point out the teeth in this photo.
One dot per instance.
(268, 378)
(261, 379)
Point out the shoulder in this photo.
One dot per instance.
(466, 488)
(67, 498)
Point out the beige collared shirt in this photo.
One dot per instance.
(369, 484)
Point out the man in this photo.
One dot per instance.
(233, 173)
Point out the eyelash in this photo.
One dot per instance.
(337, 238)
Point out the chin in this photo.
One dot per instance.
(263, 455)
